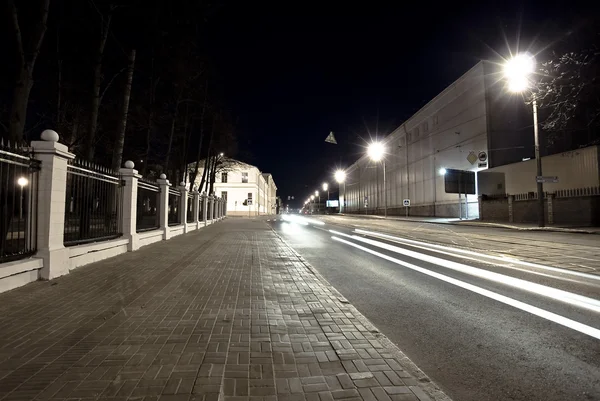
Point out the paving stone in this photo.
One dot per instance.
(185, 320)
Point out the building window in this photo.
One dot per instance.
(416, 133)
(425, 127)
(224, 194)
(435, 120)
(250, 196)
(245, 178)
(224, 177)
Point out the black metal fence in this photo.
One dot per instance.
(148, 206)
(174, 210)
(200, 208)
(93, 203)
(18, 203)
(190, 208)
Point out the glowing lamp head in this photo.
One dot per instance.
(316, 193)
(376, 151)
(312, 197)
(443, 171)
(325, 186)
(517, 71)
(340, 176)
(22, 181)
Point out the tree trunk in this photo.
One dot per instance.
(213, 174)
(197, 166)
(90, 144)
(204, 172)
(120, 142)
(26, 62)
(171, 134)
(18, 110)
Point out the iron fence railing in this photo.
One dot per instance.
(148, 206)
(93, 203)
(190, 208)
(174, 210)
(200, 208)
(18, 203)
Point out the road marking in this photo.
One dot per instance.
(478, 254)
(539, 289)
(534, 310)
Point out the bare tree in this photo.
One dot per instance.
(90, 144)
(27, 55)
(120, 142)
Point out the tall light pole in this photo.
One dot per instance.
(340, 177)
(22, 181)
(318, 204)
(376, 152)
(517, 72)
(312, 198)
(326, 188)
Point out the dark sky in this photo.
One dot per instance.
(292, 72)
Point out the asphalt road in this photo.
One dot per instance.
(481, 328)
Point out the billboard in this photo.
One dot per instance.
(459, 182)
(333, 203)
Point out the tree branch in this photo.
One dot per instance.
(17, 29)
(110, 82)
(38, 39)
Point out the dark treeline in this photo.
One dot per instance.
(118, 80)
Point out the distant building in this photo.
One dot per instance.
(471, 125)
(248, 191)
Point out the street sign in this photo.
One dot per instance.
(459, 182)
(472, 158)
(542, 179)
(331, 138)
(482, 156)
(249, 201)
(406, 202)
(482, 165)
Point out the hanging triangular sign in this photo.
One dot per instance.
(330, 138)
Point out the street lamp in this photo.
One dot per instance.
(376, 152)
(318, 204)
(443, 171)
(22, 181)
(326, 188)
(517, 72)
(340, 177)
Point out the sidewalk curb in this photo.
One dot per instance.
(476, 223)
(430, 388)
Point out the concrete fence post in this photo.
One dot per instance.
(204, 208)
(220, 210)
(196, 208)
(52, 189)
(211, 204)
(224, 208)
(480, 204)
(129, 206)
(183, 201)
(164, 185)
(551, 209)
(511, 200)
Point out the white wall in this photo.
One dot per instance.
(441, 134)
(574, 169)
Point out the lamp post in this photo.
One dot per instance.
(312, 198)
(517, 72)
(326, 188)
(340, 177)
(22, 181)
(317, 194)
(376, 152)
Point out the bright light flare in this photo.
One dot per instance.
(325, 186)
(376, 151)
(517, 71)
(340, 176)
(443, 171)
(22, 181)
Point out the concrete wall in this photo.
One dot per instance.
(581, 210)
(442, 134)
(575, 169)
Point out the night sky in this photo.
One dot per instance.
(293, 72)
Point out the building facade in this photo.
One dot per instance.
(472, 125)
(248, 191)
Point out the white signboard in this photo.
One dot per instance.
(406, 202)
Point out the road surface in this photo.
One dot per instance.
(480, 326)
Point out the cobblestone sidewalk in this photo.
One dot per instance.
(228, 313)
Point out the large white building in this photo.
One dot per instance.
(472, 125)
(248, 191)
